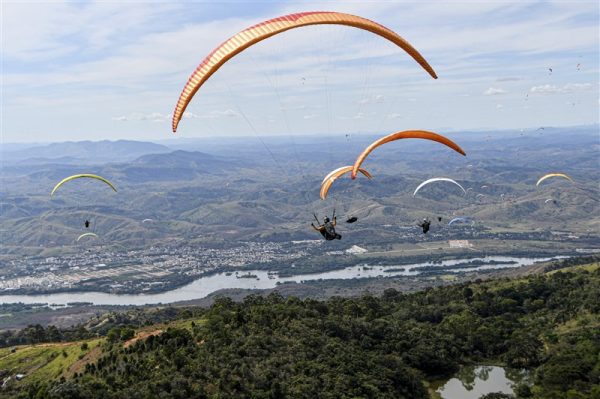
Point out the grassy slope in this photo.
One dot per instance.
(47, 361)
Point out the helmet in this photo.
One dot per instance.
(326, 220)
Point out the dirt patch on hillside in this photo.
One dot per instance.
(141, 335)
(79, 365)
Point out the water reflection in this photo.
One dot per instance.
(474, 381)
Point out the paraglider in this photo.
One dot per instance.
(408, 134)
(425, 225)
(79, 176)
(426, 182)
(332, 176)
(327, 229)
(87, 235)
(351, 219)
(460, 220)
(86, 224)
(549, 175)
(439, 218)
(254, 34)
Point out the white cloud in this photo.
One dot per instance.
(190, 115)
(136, 116)
(358, 115)
(509, 79)
(395, 116)
(568, 88)
(216, 114)
(158, 117)
(499, 106)
(229, 113)
(293, 107)
(494, 91)
(372, 99)
(310, 116)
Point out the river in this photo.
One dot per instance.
(205, 286)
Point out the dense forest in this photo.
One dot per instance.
(362, 347)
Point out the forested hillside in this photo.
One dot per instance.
(373, 347)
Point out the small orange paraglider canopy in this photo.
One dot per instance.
(332, 176)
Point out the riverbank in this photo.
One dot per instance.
(205, 286)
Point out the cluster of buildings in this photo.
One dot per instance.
(153, 268)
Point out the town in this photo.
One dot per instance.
(154, 269)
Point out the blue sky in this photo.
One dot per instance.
(114, 70)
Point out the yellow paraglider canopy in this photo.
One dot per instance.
(79, 176)
(549, 175)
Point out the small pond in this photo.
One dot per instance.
(472, 382)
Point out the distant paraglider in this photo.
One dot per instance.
(426, 182)
(425, 225)
(87, 235)
(408, 134)
(460, 220)
(254, 34)
(549, 175)
(79, 176)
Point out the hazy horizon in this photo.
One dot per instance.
(175, 138)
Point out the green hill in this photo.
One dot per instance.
(384, 347)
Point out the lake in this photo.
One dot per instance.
(205, 286)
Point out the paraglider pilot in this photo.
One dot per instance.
(87, 224)
(425, 225)
(327, 229)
